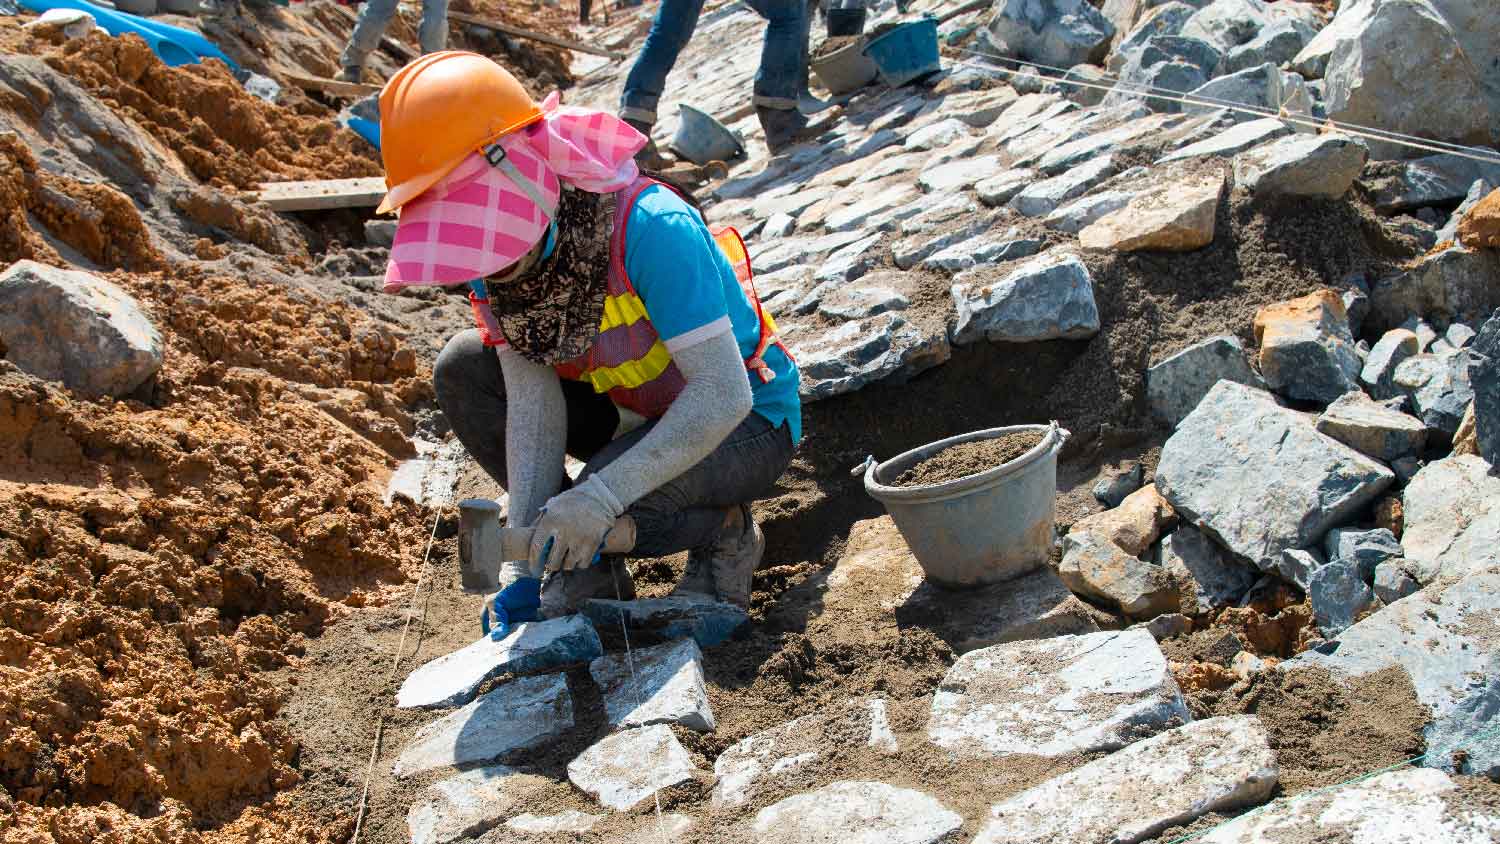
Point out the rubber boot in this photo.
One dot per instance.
(785, 128)
(649, 158)
(735, 555)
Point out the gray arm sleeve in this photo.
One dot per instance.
(714, 402)
(536, 435)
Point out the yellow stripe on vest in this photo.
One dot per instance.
(621, 311)
(633, 373)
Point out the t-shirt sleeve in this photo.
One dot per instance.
(677, 270)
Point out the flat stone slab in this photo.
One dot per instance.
(452, 680)
(1166, 780)
(666, 687)
(1452, 518)
(1360, 422)
(1056, 696)
(571, 821)
(772, 759)
(703, 619)
(1050, 297)
(465, 805)
(1237, 138)
(1176, 385)
(856, 813)
(516, 716)
(1259, 479)
(1448, 641)
(1413, 805)
(626, 768)
(1033, 606)
(851, 356)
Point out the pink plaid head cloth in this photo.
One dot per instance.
(478, 221)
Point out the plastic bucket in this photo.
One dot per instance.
(907, 52)
(845, 22)
(979, 529)
(701, 138)
(845, 69)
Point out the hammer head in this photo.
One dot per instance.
(483, 544)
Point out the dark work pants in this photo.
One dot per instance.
(683, 514)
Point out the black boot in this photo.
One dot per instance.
(649, 157)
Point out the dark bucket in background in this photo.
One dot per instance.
(906, 52)
(845, 22)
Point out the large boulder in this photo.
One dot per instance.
(1049, 297)
(1277, 43)
(1176, 385)
(1379, 372)
(1452, 518)
(1259, 479)
(1227, 24)
(1306, 350)
(1262, 87)
(1478, 193)
(1060, 33)
(1231, 141)
(77, 328)
(1317, 166)
(1484, 380)
(1165, 63)
(1438, 385)
(1447, 638)
(1166, 19)
(1450, 285)
(1431, 180)
(1358, 421)
(1206, 577)
(846, 358)
(623, 769)
(1402, 69)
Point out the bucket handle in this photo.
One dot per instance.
(864, 466)
(1062, 435)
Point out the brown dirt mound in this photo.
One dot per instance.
(970, 458)
(225, 136)
(97, 220)
(158, 559)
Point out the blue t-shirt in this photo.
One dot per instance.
(691, 294)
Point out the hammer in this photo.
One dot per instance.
(483, 544)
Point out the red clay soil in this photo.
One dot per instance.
(159, 557)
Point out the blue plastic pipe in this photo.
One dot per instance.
(174, 45)
(367, 129)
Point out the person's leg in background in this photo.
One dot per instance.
(374, 17)
(671, 30)
(433, 35)
(783, 69)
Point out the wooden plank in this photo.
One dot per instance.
(534, 35)
(323, 194)
(331, 86)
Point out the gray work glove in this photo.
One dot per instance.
(573, 525)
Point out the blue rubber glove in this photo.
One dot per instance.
(521, 601)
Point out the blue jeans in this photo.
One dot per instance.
(783, 57)
(375, 16)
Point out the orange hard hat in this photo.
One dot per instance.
(436, 111)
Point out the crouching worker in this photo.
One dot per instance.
(596, 289)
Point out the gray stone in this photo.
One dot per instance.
(1306, 351)
(1356, 299)
(519, 715)
(1452, 518)
(1339, 596)
(1034, 606)
(778, 226)
(1228, 23)
(1164, 20)
(1258, 87)
(468, 804)
(769, 760)
(855, 813)
(1075, 152)
(849, 262)
(875, 213)
(453, 680)
(1320, 166)
(862, 301)
(914, 249)
(958, 175)
(980, 108)
(984, 249)
(1426, 334)
(380, 232)
(1085, 211)
(1357, 421)
(787, 252)
(571, 821)
(1041, 198)
(1176, 385)
(1454, 284)
(1060, 33)
(1175, 216)
(1392, 582)
(1447, 638)
(1231, 141)
(1111, 491)
(790, 201)
(1477, 191)
(1168, 626)
(1098, 569)
(1459, 336)
(1056, 696)
(1278, 42)
(1379, 372)
(1214, 765)
(937, 135)
(998, 190)
(884, 347)
(1374, 811)
(707, 621)
(937, 210)
(1433, 90)
(1439, 388)
(1484, 380)
(623, 769)
(1364, 549)
(76, 328)
(1049, 297)
(1432, 180)
(1296, 566)
(1166, 65)
(1089, 84)
(1259, 479)
(1206, 577)
(664, 686)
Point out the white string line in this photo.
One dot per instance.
(661, 830)
(1154, 92)
(364, 792)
